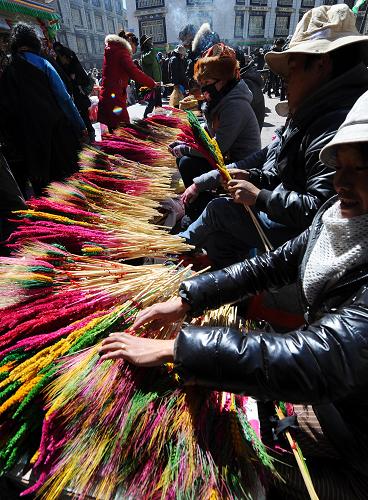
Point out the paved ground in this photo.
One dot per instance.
(272, 119)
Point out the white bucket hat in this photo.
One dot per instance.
(320, 31)
(353, 130)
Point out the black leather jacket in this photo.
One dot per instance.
(298, 184)
(324, 364)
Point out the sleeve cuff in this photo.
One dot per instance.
(263, 199)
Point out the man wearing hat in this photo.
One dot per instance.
(325, 74)
(152, 68)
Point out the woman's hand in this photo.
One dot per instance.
(137, 350)
(162, 314)
(243, 192)
(190, 194)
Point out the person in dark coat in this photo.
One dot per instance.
(259, 59)
(286, 196)
(81, 83)
(39, 123)
(229, 117)
(249, 73)
(11, 199)
(203, 40)
(165, 73)
(320, 368)
(177, 65)
(273, 82)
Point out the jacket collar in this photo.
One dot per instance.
(117, 39)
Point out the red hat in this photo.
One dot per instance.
(217, 63)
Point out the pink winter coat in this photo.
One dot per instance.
(118, 68)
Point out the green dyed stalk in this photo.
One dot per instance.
(9, 389)
(33, 393)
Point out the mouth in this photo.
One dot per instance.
(348, 204)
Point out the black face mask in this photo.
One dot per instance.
(211, 89)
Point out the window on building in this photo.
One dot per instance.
(285, 3)
(108, 5)
(93, 45)
(153, 26)
(76, 16)
(240, 2)
(199, 2)
(258, 2)
(96, 3)
(256, 25)
(239, 26)
(89, 20)
(82, 45)
(110, 25)
(99, 23)
(282, 25)
(146, 4)
(101, 45)
(308, 4)
(119, 6)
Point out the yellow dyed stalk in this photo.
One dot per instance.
(299, 460)
(27, 370)
(54, 217)
(19, 394)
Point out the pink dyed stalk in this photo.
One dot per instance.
(122, 185)
(47, 318)
(47, 205)
(132, 152)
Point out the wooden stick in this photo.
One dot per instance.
(302, 467)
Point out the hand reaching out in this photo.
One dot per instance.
(137, 350)
(162, 314)
(190, 194)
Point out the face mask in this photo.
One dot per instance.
(211, 89)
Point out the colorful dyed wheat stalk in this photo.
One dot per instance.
(136, 433)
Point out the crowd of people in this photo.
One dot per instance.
(307, 190)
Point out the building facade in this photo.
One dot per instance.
(238, 22)
(85, 24)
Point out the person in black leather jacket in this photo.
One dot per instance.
(322, 88)
(324, 363)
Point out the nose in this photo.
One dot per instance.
(343, 179)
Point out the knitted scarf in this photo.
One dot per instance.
(341, 246)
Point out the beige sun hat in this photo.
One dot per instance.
(353, 130)
(320, 30)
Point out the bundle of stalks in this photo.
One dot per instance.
(86, 215)
(148, 438)
(99, 292)
(137, 433)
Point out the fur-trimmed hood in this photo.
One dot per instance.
(117, 39)
(204, 39)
